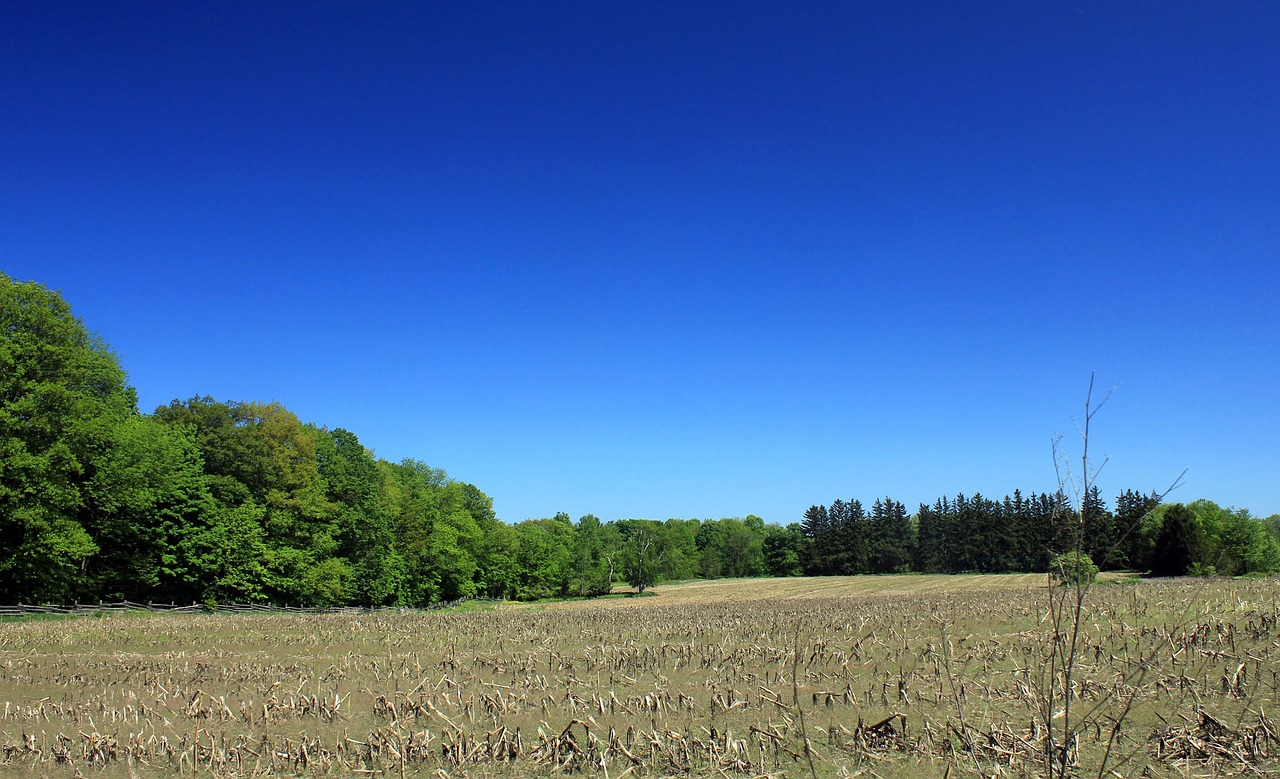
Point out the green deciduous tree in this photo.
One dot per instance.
(62, 396)
(594, 559)
(236, 555)
(730, 547)
(364, 526)
(784, 550)
(204, 498)
(545, 557)
(499, 563)
(436, 533)
(709, 541)
(744, 546)
(1235, 542)
(680, 555)
(643, 551)
(262, 453)
(149, 510)
(1074, 569)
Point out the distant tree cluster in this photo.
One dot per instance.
(1025, 533)
(242, 501)
(557, 557)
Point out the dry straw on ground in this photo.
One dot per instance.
(891, 676)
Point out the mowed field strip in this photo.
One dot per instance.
(880, 675)
(719, 590)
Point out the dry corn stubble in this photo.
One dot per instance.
(696, 680)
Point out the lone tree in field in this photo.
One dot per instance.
(642, 555)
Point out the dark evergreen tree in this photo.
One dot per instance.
(1062, 523)
(839, 538)
(993, 535)
(851, 537)
(1180, 544)
(1021, 536)
(1134, 546)
(1100, 540)
(936, 532)
(891, 537)
(816, 527)
(968, 543)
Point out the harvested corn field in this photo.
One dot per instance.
(875, 676)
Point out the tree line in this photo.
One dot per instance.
(228, 501)
(1023, 533)
(211, 500)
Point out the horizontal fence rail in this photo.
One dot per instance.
(125, 606)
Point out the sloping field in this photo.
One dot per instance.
(841, 587)
(812, 588)
(874, 676)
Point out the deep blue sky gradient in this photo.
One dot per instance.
(677, 259)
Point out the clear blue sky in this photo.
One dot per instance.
(660, 259)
